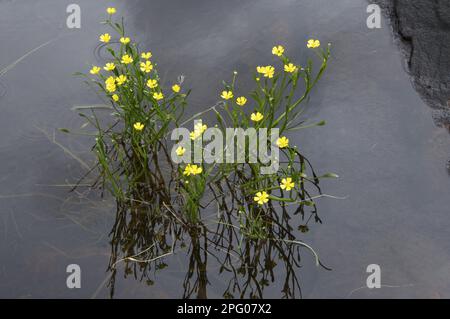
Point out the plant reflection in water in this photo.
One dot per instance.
(236, 212)
(246, 245)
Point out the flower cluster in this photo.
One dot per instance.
(292, 73)
(120, 80)
(267, 71)
(146, 109)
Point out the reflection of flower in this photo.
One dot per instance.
(94, 70)
(290, 68)
(312, 44)
(126, 59)
(138, 126)
(303, 228)
(278, 50)
(192, 170)
(227, 95)
(180, 150)
(283, 142)
(105, 38)
(241, 100)
(256, 117)
(287, 184)
(261, 198)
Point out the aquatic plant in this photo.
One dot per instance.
(135, 165)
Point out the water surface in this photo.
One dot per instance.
(380, 139)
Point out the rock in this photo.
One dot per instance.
(423, 30)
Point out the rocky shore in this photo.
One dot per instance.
(422, 28)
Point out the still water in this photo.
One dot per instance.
(380, 138)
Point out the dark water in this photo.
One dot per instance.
(380, 139)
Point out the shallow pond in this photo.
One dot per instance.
(380, 138)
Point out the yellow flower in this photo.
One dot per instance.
(194, 134)
(146, 67)
(146, 55)
(257, 79)
(111, 10)
(110, 80)
(176, 88)
(109, 66)
(278, 50)
(268, 71)
(110, 84)
(105, 38)
(152, 83)
(312, 44)
(94, 70)
(200, 128)
(256, 117)
(158, 96)
(138, 126)
(126, 59)
(283, 142)
(115, 98)
(187, 170)
(125, 40)
(261, 198)
(180, 150)
(192, 170)
(241, 100)
(111, 87)
(261, 69)
(287, 184)
(196, 170)
(227, 95)
(290, 68)
(121, 79)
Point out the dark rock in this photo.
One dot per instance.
(423, 30)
